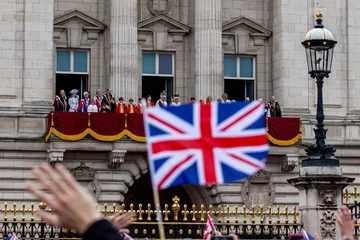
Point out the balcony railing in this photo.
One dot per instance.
(179, 221)
(110, 127)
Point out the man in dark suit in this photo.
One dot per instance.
(274, 107)
(108, 101)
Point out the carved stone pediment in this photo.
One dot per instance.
(164, 29)
(244, 35)
(76, 29)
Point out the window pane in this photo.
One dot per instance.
(148, 63)
(165, 64)
(80, 61)
(249, 90)
(230, 66)
(246, 67)
(63, 61)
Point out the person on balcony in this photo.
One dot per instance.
(274, 107)
(109, 100)
(74, 101)
(84, 103)
(225, 98)
(121, 107)
(93, 107)
(105, 108)
(176, 100)
(98, 99)
(131, 107)
(247, 99)
(61, 102)
(139, 107)
(209, 99)
(162, 101)
(192, 100)
(149, 103)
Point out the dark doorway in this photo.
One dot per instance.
(141, 192)
(154, 86)
(71, 81)
(239, 89)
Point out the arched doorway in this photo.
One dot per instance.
(141, 192)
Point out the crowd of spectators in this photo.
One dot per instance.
(107, 103)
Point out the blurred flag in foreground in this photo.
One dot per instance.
(205, 143)
(209, 227)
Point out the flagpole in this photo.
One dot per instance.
(159, 214)
(154, 187)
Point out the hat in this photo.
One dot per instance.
(74, 91)
(99, 90)
(86, 93)
(163, 94)
(176, 95)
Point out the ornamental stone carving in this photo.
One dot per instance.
(327, 197)
(87, 178)
(159, 6)
(116, 157)
(328, 225)
(258, 191)
(55, 155)
(289, 162)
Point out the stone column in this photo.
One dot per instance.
(26, 60)
(124, 49)
(208, 49)
(320, 195)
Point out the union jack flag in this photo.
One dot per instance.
(202, 144)
(13, 237)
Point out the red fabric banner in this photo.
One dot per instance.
(114, 126)
(135, 127)
(75, 126)
(283, 131)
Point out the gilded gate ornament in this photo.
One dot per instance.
(157, 7)
(258, 191)
(87, 178)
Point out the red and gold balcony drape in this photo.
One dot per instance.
(283, 131)
(108, 127)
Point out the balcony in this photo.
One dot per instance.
(110, 127)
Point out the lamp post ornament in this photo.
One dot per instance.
(319, 47)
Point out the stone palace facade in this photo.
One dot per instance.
(192, 47)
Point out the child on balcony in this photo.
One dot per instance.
(93, 107)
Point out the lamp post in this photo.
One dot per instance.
(319, 47)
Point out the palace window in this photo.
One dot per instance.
(72, 70)
(239, 75)
(74, 61)
(158, 64)
(157, 74)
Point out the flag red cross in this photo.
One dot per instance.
(207, 142)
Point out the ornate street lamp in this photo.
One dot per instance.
(319, 47)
